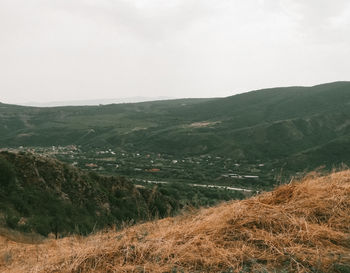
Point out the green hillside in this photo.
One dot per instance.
(264, 124)
(43, 195)
(294, 127)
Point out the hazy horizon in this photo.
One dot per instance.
(54, 51)
(94, 101)
(136, 99)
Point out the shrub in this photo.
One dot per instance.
(7, 173)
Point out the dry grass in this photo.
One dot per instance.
(7, 235)
(300, 227)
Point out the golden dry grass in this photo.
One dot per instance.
(299, 227)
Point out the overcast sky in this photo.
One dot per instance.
(59, 50)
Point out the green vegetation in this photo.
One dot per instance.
(49, 196)
(277, 127)
(249, 141)
(42, 195)
(190, 196)
(7, 172)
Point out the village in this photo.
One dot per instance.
(202, 169)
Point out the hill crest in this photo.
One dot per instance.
(299, 227)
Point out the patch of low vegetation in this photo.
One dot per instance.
(300, 227)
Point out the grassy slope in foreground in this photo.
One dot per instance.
(300, 227)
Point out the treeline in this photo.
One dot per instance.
(190, 196)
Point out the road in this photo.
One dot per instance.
(197, 185)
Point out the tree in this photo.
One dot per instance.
(7, 173)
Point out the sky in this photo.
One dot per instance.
(61, 50)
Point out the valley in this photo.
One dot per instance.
(149, 136)
(275, 134)
(185, 176)
(140, 161)
(204, 169)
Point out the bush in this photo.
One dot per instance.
(11, 221)
(7, 173)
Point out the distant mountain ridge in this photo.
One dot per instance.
(295, 127)
(93, 101)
